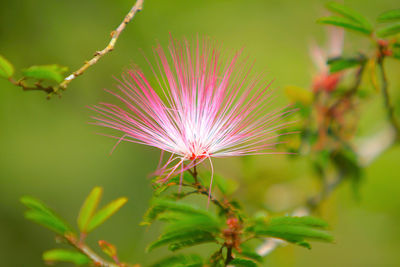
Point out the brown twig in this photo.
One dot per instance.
(229, 256)
(37, 86)
(385, 93)
(138, 6)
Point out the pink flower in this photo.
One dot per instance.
(202, 106)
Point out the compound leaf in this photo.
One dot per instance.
(340, 63)
(46, 72)
(180, 239)
(389, 30)
(389, 15)
(304, 221)
(345, 23)
(349, 14)
(293, 229)
(161, 205)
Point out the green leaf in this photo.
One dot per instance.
(188, 222)
(180, 239)
(194, 240)
(298, 94)
(46, 221)
(304, 221)
(89, 207)
(36, 204)
(6, 68)
(238, 262)
(340, 63)
(389, 30)
(41, 214)
(46, 72)
(159, 206)
(294, 233)
(63, 255)
(389, 15)
(349, 14)
(106, 212)
(187, 225)
(180, 260)
(293, 229)
(345, 23)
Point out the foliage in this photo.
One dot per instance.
(292, 229)
(39, 213)
(187, 225)
(341, 63)
(88, 220)
(350, 19)
(45, 72)
(38, 77)
(328, 123)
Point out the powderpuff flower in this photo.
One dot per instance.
(201, 107)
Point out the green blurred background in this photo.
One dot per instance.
(48, 149)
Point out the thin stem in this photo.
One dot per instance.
(83, 248)
(226, 208)
(204, 191)
(229, 256)
(385, 93)
(138, 6)
(37, 86)
(195, 172)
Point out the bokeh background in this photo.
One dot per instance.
(48, 149)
